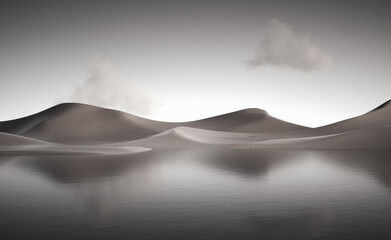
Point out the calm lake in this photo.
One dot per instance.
(197, 194)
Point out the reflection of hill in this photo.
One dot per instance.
(327, 222)
(375, 163)
(249, 163)
(309, 225)
(84, 168)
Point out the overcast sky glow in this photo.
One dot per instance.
(307, 62)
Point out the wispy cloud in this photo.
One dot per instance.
(281, 46)
(104, 88)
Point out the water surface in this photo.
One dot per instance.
(197, 194)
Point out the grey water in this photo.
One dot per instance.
(197, 194)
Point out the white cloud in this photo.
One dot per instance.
(103, 88)
(281, 46)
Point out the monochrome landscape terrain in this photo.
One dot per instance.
(77, 127)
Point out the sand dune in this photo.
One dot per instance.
(80, 124)
(85, 124)
(88, 128)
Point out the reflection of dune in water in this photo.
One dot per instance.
(84, 168)
(375, 163)
(250, 162)
(200, 193)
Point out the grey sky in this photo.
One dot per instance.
(191, 53)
